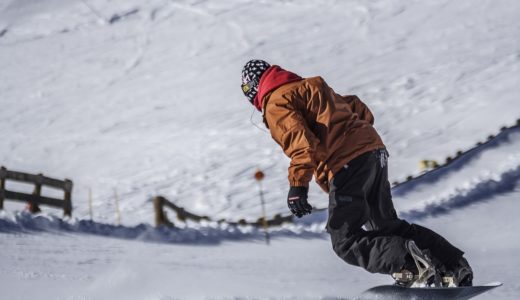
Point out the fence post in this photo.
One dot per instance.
(160, 215)
(32, 205)
(67, 205)
(2, 186)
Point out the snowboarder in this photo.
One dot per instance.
(332, 137)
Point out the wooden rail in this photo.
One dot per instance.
(35, 199)
(161, 218)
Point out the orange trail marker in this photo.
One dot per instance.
(259, 176)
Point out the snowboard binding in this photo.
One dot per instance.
(459, 274)
(426, 276)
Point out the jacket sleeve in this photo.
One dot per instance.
(289, 129)
(360, 108)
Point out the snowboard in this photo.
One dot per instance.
(427, 293)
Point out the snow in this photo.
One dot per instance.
(477, 175)
(70, 265)
(141, 98)
(150, 104)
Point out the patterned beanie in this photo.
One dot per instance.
(251, 74)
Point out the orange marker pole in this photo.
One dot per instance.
(259, 176)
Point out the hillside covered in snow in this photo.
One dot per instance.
(142, 98)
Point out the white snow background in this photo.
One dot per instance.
(143, 97)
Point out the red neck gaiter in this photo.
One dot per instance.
(273, 78)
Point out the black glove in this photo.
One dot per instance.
(297, 201)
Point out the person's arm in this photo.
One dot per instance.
(289, 129)
(360, 108)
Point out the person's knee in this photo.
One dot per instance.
(396, 226)
(342, 245)
(349, 215)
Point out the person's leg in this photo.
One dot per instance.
(426, 238)
(383, 218)
(349, 211)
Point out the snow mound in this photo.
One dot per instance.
(191, 233)
(490, 169)
(482, 191)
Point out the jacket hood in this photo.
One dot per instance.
(273, 78)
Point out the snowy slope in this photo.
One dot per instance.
(475, 176)
(149, 103)
(83, 259)
(61, 265)
(143, 97)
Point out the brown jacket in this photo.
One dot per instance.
(319, 130)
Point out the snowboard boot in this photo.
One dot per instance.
(460, 274)
(422, 273)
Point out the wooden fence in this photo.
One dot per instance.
(183, 215)
(35, 199)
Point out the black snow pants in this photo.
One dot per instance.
(363, 223)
